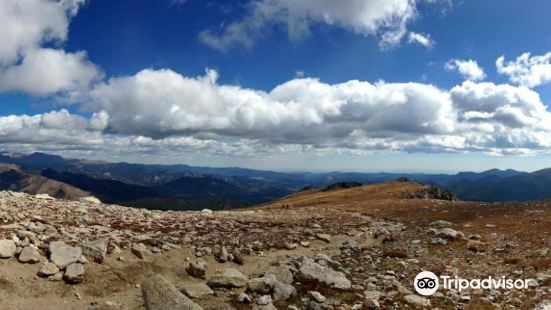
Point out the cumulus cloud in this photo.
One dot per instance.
(422, 39)
(48, 71)
(526, 70)
(56, 127)
(309, 114)
(25, 27)
(469, 69)
(386, 19)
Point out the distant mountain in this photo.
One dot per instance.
(184, 186)
(14, 179)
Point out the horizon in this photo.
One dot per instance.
(285, 171)
(420, 86)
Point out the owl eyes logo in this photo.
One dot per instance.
(426, 283)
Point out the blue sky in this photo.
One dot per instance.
(359, 85)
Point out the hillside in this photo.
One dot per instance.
(354, 248)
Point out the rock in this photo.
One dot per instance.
(316, 296)
(417, 300)
(264, 300)
(351, 245)
(305, 244)
(290, 246)
(475, 245)
(244, 298)
(237, 257)
(440, 224)
(29, 254)
(90, 199)
(230, 278)
(262, 285)
(95, 250)
(74, 273)
(206, 211)
(223, 255)
(55, 245)
(7, 248)
(438, 241)
(44, 196)
(450, 234)
(139, 250)
(159, 294)
(195, 290)
(283, 291)
(371, 304)
(197, 268)
(48, 269)
(324, 237)
(312, 271)
(65, 255)
(282, 273)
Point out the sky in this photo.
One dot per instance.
(290, 85)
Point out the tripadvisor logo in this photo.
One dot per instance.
(427, 283)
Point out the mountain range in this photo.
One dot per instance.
(189, 187)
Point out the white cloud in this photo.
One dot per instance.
(526, 70)
(469, 69)
(422, 39)
(26, 26)
(48, 71)
(307, 114)
(55, 128)
(386, 19)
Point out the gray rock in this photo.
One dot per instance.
(197, 268)
(312, 271)
(139, 250)
(264, 300)
(95, 250)
(262, 285)
(230, 278)
(29, 254)
(244, 298)
(440, 224)
(159, 294)
(54, 245)
(65, 255)
(417, 300)
(316, 296)
(324, 237)
(372, 304)
(195, 290)
(283, 291)
(450, 234)
(48, 269)
(282, 273)
(7, 248)
(438, 241)
(223, 255)
(74, 273)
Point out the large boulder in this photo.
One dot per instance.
(159, 294)
(229, 278)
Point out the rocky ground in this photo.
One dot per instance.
(364, 254)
